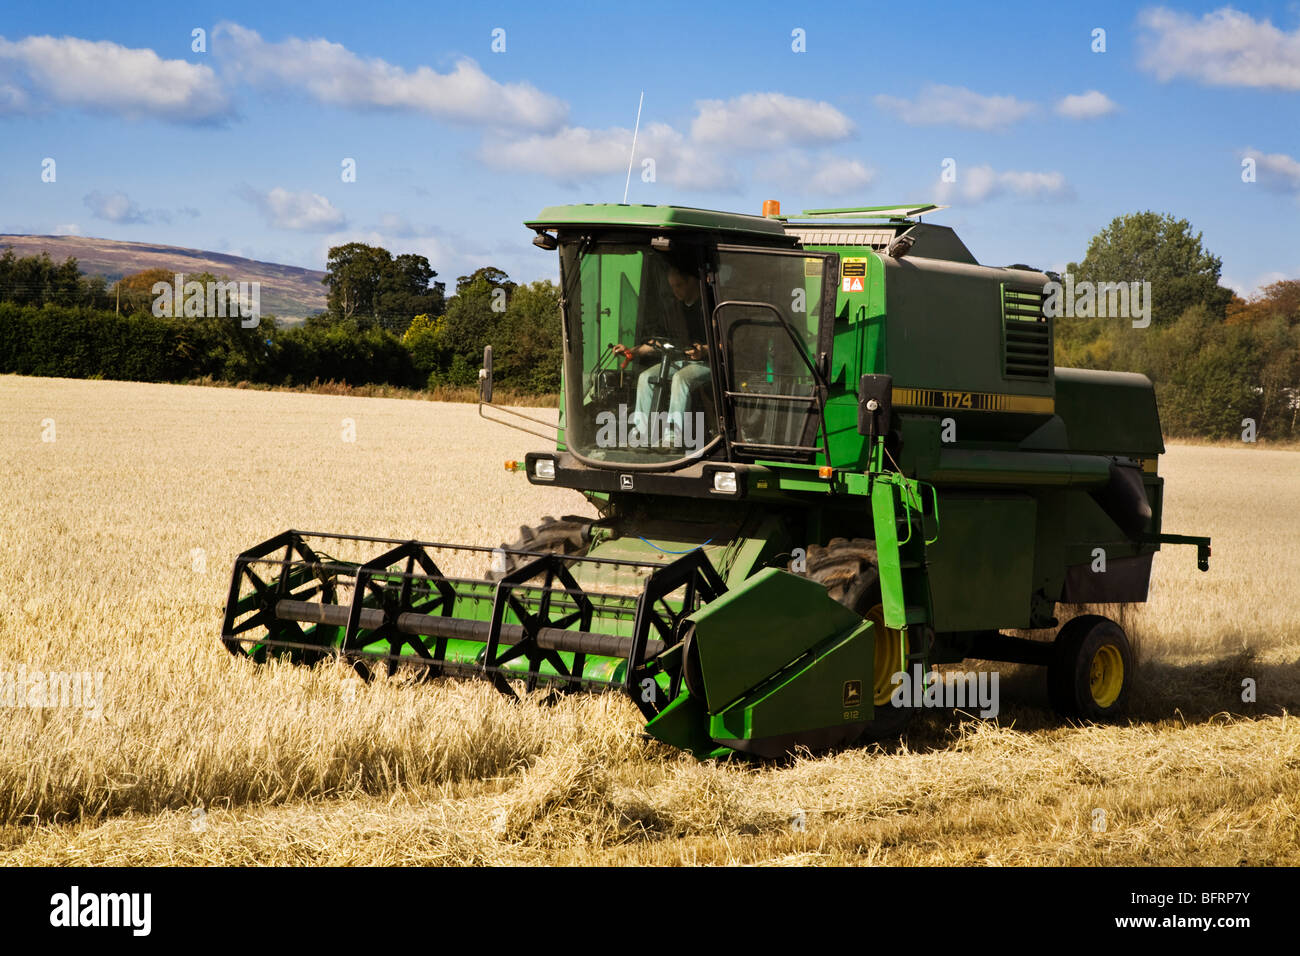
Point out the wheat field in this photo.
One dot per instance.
(116, 542)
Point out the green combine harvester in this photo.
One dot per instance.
(829, 452)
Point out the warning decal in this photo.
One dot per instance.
(853, 275)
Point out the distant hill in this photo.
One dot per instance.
(288, 292)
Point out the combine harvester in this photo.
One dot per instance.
(826, 450)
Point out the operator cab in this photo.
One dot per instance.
(684, 347)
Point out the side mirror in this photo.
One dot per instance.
(485, 376)
(875, 397)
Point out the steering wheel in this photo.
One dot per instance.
(661, 345)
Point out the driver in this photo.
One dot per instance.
(688, 365)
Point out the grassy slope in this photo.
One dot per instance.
(288, 292)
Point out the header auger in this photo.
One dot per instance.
(826, 452)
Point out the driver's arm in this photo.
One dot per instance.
(643, 351)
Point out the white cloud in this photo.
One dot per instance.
(682, 163)
(44, 71)
(1276, 171)
(396, 224)
(120, 208)
(13, 99)
(840, 175)
(939, 105)
(115, 207)
(801, 173)
(571, 154)
(67, 229)
(1222, 48)
(699, 160)
(303, 211)
(576, 154)
(767, 121)
(331, 73)
(1088, 105)
(975, 184)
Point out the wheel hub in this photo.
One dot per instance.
(889, 657)
(1106, 675)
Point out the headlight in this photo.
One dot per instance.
(725, 482)
(544, 468)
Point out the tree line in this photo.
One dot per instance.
(387, 322)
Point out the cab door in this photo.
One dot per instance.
(774, 321)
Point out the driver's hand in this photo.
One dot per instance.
(697, 352)
(639, 352)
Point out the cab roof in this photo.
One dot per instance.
(636, 216)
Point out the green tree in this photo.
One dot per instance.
(1205, 373)
(353, 272)
(369, 287)
(467, 326)
(407, 289)
(494, 277)
(425, 339)
(95, 293)
(38, 280)
(1277, 343)
(1156, 248)
(526, 343)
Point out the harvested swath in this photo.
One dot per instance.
(1223, 793)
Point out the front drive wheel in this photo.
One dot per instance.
(1091, 671)
(568, 536)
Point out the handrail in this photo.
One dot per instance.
(823, 387)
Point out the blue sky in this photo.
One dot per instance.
(240, 148)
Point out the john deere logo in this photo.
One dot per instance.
(625, 482)
(852, 693)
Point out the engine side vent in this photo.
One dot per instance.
(1026, 334)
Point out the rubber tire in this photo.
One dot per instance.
(847, 569)
(568, 536)
(1068, 673)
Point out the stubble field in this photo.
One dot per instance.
(116, 542)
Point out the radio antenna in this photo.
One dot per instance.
(630, 158)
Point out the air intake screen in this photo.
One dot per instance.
(1026, 334)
